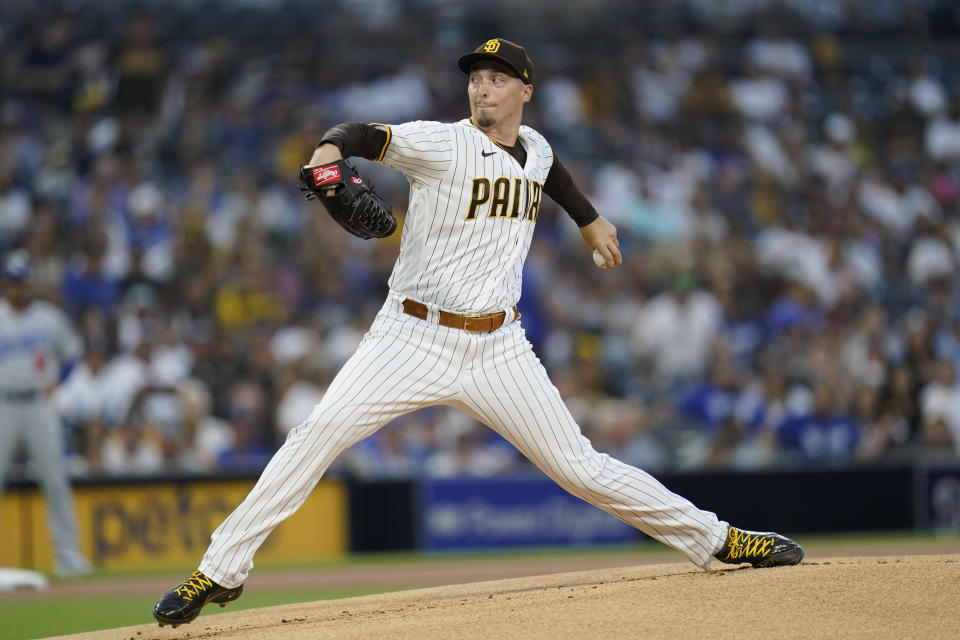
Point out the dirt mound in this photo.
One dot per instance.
(862, 597)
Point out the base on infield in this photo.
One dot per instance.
(21, 579)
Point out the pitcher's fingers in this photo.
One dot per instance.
(616, 255)
(611, 256)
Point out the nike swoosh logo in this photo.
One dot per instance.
(485, 154)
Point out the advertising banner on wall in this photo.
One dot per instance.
(458, 514)
(166, 524)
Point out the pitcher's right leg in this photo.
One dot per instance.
(402, 364)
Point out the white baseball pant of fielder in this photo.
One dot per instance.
(34, 342)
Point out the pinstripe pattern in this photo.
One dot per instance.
(404, 364)
(521, 404)
(466, 264)
(400, 366)
(470, 267)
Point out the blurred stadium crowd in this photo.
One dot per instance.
(785, 177)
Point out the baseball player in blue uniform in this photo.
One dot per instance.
(37, 351)
(449, 333)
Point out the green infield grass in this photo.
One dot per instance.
(32, 617)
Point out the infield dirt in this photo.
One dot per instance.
(891, 596)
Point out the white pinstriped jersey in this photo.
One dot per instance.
(471, 213)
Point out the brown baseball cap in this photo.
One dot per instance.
(509, 53)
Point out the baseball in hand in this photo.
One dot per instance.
(598, 259)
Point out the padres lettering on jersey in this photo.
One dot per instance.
(471, 213)
(504, 199)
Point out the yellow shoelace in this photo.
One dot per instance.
(193, 586)
(744, 545)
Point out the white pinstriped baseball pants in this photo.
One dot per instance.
(404, 364)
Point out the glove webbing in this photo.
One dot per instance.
(370, 220)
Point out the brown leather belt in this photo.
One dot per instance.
(473, 324)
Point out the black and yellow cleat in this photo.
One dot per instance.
(183, 604)
(761, 549)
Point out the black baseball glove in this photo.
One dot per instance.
(348, 199)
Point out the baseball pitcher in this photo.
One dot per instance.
(449, 332)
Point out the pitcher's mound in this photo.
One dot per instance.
(876, 597)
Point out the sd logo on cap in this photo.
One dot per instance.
(509, 53)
